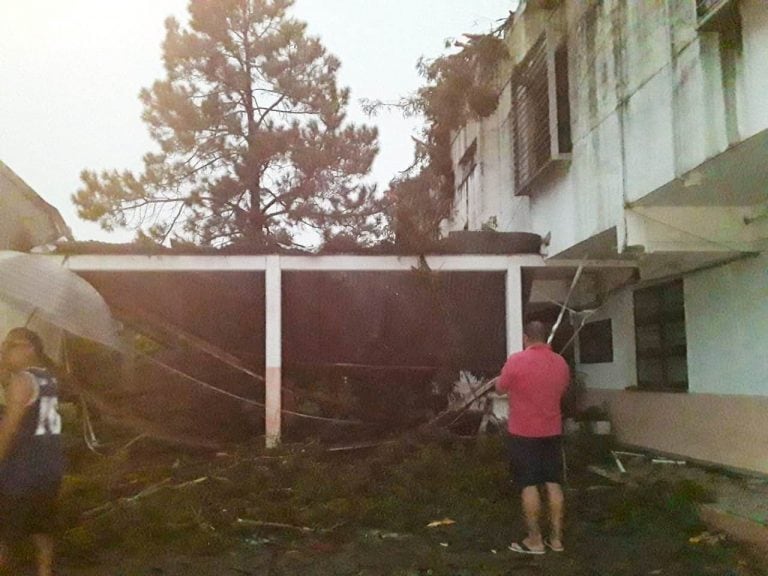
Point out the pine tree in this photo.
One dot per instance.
(253, 139)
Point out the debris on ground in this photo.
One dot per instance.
(443, 522)
(668, 461)
(301, 509)
(707, 538)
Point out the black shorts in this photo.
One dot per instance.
(535, 461)
(23, 515)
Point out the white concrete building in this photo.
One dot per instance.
(639, 129)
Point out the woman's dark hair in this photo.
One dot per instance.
(37, 345)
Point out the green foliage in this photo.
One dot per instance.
(661, 503)
(400, 486)
(490, 225)
(459, 86)
(368, 508)
(252, 138)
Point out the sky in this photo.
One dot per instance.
(71, 71)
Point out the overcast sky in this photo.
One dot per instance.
(71, 71)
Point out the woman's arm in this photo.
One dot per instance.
(18, 396)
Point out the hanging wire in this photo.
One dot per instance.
(243, 399)
(89, 435)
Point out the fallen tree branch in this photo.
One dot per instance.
(360, 446)
(262, 524)
(457, 411)
(144, 427)
(147, 491)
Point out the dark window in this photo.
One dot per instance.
(563, 100)
(467, 166)
(712, 13)
(596, 342)
(662, 362)
(723, 18)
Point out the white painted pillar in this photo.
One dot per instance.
(274, 356)
(514, 309)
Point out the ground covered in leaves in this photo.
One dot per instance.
(302, 510)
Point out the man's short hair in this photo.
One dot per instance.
(536, 331)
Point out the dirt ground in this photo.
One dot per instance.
(152, 511)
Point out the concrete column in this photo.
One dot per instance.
(514, 308)
(274, 356)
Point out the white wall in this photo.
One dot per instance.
(726, 310)
(620, 373)
(728, 430)
(491, 195)
(723, 419)
(647, 107)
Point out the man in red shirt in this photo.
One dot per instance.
(535, 381)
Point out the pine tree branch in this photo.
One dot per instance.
(151, 202)
(170, 226)
(270, 109)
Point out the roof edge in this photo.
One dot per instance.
(54, 216)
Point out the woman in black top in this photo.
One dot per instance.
(31, 460)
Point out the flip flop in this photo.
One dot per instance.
(522, 548)
(548, 544)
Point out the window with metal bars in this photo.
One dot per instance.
(660, 336)
(467, 169)
(540, 112)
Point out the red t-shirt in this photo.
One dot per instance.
(534, 380)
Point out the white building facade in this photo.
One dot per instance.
(638, 129)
